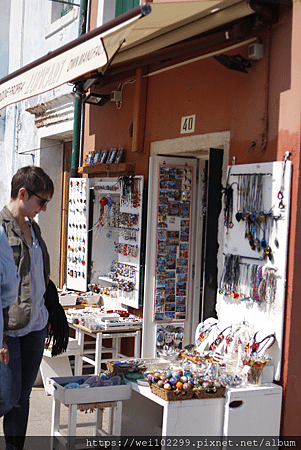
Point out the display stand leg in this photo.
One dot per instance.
(77, 365)
(55, 420)
(80, 336)
(98, 357)
(116, 347)
(137, 344)
(111, 420)
(98, 422)
(117, 417)
(72, 418)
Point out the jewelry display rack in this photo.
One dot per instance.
(254, 252)
(77, 234)
(116, 238)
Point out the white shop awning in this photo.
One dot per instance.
(142, 31)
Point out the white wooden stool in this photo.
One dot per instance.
(97, 398)
(114, 423)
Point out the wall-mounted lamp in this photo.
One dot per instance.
(97, 99)
(235, 62)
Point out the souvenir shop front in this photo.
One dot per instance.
(215, 211)
(181, 216)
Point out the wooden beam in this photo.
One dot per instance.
(139, 110)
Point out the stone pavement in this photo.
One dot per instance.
(39, 423)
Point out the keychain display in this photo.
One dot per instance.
(131, 191)
(107, 213)
(173, 243)
(126, 249)
(123, 276)
(77, 245)
(116, 236)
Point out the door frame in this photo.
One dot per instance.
(197, 146)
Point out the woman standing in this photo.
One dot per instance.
(9, 284)
(26, 319)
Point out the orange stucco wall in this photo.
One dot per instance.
(227, 100)
(220, 98)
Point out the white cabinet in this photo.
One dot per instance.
(253, 411)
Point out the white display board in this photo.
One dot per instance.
(77, 234)
(116, 237)
(265, 187)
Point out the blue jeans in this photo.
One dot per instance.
(7, 400)
(25, 356)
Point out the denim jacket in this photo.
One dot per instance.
(18, 315)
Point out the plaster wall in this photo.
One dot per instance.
(50, 158)
(105, 12)
(31, 33)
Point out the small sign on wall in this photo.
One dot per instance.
(187, 124)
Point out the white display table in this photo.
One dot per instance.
(175, 418)
(244, 411)
(98, 348)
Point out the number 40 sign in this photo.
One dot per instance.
(188, 124)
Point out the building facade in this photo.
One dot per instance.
(179, 101)
(254, 117)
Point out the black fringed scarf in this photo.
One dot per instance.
(58, 329)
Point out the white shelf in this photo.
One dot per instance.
(107, 279)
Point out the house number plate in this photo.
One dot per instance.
(187, 124)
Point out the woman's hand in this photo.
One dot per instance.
(4, 356)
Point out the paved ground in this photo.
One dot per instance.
(39, 425)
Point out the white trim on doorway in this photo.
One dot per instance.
(197, 146)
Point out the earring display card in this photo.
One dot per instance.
(77, 243)
(173, 243)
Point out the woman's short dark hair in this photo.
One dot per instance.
(33, 179)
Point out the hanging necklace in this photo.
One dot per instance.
(280, 193)
(268, 285)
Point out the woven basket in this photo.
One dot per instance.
(171, 395)
(209, 392)
(117, 368)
